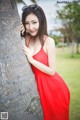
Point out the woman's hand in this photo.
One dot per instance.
(22, 29)
(28, 53)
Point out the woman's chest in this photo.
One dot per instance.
(35, 48)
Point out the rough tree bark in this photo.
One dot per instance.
(18, 90)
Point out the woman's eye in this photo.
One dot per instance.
(26, 23)
(34, 22)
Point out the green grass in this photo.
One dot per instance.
(69, 69)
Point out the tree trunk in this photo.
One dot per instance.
(72, 49)
(77, 45)
(18, 90)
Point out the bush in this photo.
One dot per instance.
(61, 44)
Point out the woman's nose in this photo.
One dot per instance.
(30, 27)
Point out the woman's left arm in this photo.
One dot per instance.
(50, 47)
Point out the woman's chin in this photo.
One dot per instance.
(33, 34)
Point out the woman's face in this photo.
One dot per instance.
(32, 24)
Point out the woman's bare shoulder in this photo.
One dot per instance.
(49, 41)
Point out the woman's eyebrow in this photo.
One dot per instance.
(31, 21)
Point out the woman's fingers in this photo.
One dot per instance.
(26, 49)
(22, 29)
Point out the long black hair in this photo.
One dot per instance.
(38, 11)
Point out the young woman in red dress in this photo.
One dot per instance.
(40, 51)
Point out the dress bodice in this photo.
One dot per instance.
(42, 57)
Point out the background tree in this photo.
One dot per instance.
(70, 16)
(18, 90)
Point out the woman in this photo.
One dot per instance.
(40, 51)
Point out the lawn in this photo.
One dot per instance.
(69, 69)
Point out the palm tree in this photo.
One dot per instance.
(18, 90)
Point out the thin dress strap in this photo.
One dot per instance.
(28, 42)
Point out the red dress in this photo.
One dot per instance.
(54, 93)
